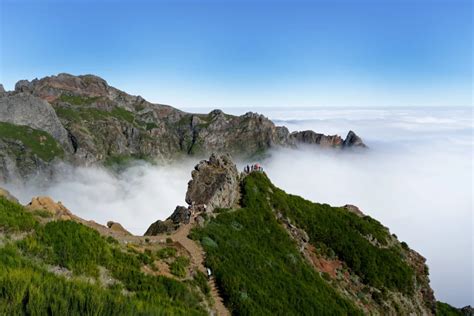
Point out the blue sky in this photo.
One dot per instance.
(250, 53)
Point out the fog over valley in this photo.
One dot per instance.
(415, 178)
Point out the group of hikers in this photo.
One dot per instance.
(252, 168)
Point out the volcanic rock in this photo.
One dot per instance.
(215, 183)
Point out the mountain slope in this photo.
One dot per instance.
(97, 123)
(268, 252)
(357, 257)
(66, 268)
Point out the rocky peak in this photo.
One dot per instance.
(312, 138)
(352, 140)
(49, 88)
(214, 183)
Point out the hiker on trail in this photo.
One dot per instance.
(209, 273)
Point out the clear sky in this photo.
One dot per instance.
(250, 53)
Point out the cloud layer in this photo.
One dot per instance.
(416, 178)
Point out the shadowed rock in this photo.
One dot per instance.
(352, 140)
(181, 215)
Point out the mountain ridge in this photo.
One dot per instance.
(252, 236)
(96, 123)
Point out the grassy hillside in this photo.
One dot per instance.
(252, 256)
(81, 259)
(258, 267)
(39, 142)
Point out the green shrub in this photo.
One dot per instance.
(27, 289)
(14, 217)
(255, 260)
(338, 232)
(443, 309)
(166, 252)
(200, 280)
(179, 265)
(70, 245)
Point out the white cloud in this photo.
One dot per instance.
(416, 178)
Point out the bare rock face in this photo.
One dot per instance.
(57, 209)
(352, 140)
(96, 123)
(312, 138)
(160, 227)
(26, 109)
(327, 141)
(117, 227)
(181, 215)
(354, 209)
(215, 183)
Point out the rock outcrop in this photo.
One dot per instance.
(117, 227)
(56, 209)
(26, 109)
(327, 141)
(352, 140)
(312, 138)
(214, 183)
(181, 215)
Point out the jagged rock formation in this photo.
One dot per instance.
(99, 124)
(214, 183)
(181, 215)
(352, 140)
(310, 137)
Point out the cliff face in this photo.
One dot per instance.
(97, 123)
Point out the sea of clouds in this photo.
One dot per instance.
(416, 178)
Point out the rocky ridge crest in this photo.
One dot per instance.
(99, 124)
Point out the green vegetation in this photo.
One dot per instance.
(179, 265)
(253, 259)
(39, 142)
(443, 309)
(337, 231)
(27, 286)
(69, 245)
(120, 162)
(166, 253)
(200, 280)
(78, 100)
(80, 114)
(14, 218)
